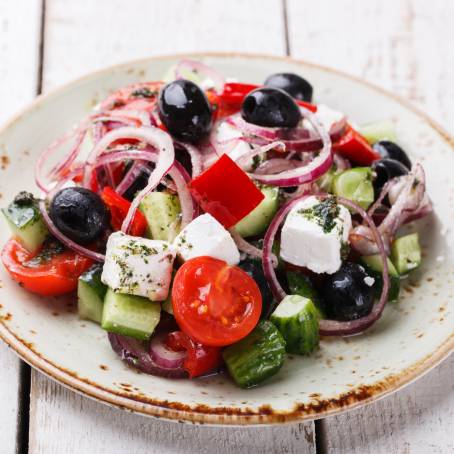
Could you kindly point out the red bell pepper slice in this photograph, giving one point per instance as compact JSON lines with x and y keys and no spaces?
{"x":353,"y":146}
{"x":200,"y":359}
{"x":225,"y":191}
{"x":119,"y":208}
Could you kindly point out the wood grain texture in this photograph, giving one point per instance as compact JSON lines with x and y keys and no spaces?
{"x":404,"y":46}
{"x":83,"y":36}
{"x":19,"y":58}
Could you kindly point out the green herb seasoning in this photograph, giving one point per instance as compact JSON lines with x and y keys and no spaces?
{"x":144,"y":92}
{"x":324,"y":214}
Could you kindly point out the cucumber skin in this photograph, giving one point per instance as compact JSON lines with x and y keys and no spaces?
{"x":260,"y":217}
{"x":300,"y":284}
{"x":27,"y":224}
{"x":300,"y":331}
{"x":373,"y":266}
{"x":90,"y":293}
{"x":256,"y":357}
{"x":137,"y":306}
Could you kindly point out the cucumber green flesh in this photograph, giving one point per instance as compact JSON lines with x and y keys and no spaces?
{"x":299,"y":284}
{"x":256,"y":357}
{"x":374,"y":263}
{"x":89,"y":303}
{"x":356,"y":185}
{"x":260,"y":217}
{"x":162,"y":212}
{"x":296,"y":318}
{"x":325,"y":182}
{"x":26,"y":223}
{"x":92,"y":277}
{"x":130,"y":315}
{"x":406,"y":253}
{"x":380,"y":130}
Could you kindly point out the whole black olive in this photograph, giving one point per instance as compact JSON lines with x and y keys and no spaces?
{"x":294,"y":85}
{"x":385,"y":170}
{"x":348,"y":294}
{"x":185,"y":111}
{"x":391,"y":150}
{"x":80,"y":214}
{"x":270,"y":107}
{"x":139,"y":183}
{"x":254,"y":269}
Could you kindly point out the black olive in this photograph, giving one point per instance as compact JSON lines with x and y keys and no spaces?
{"x":80,"y":214}
{"x":385,"y":170}
{"x":139,"y":183}
{"x":254,"y":269}
{"x":185,"y":111}
{"x":270,"y":107}
{"x":391,"y":150}
{"x":347,"y":294}
{"x":294,"y":85}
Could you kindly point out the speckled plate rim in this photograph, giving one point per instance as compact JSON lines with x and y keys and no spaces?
{"x":202,"y":414}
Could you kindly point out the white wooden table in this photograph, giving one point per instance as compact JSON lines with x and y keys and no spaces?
{"x":405,"y":46}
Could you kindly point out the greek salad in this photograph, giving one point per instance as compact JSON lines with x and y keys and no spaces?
{"x":214,"y":225}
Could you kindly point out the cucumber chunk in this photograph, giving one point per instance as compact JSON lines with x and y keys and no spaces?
{"x":296,"y":318}
{"x":167,"y":305}
{"x":374,"y":268}
{"x":260,"y":217}
{"x":325,"y":182}
{"x":256,"y":357}
{"x":300,"y":284}
{"x":90,"y":294}
{"x":25,"y":221}
{"x":130,"y":315}
{"x":162,"y":211}
{"x":380,"y":130}
{"x":406,"y":253}
{"x":356,"y":185}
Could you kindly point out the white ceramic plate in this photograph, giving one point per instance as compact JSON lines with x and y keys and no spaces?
{"x":412,"y":336}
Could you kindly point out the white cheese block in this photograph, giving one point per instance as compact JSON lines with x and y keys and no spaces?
{"x":138,"y":266}
{"x":305,"y":242}
{"x":206,"y":236}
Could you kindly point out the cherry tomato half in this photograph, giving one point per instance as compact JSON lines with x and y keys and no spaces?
{"x":51,"y":272}
{"x":214,"y":303}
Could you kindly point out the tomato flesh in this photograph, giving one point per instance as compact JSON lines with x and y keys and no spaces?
{"x":119,"y":208}
{"x":214,"y":303}
{"x":200,"y":359}
{"x":226,"y":192}
{"x":46,"y":273}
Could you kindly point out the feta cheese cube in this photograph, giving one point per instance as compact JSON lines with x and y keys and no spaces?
{"x":206,"y":236}
{"x":313,"y":234}
{"x":138,"y":266}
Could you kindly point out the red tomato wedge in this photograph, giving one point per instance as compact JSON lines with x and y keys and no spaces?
{"x":51,"y":272}
{"x":214,"y":303}
{"x":226,"y":192}
{"x":353,"y":146}
{"x":119,"y":207}
{"x":200,"y":359}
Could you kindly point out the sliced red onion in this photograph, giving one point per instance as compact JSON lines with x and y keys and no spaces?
{"x":196,"y":157}
{"x":328,"y":327}
{"x":135,"y":353}
{"x":163,"y":356}
{"x":250,"y":249}
{"x":200,"y":69}
{"x":295,"y":139}
{"x":65,"y":240}
{"x":310,"y":172}
{"x":277,"y":165}
{"x":176,"y":172}
{"x":340,"y":162}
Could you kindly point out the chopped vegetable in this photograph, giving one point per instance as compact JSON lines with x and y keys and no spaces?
{"x":90,"y":294}
{"x":380,"y":130}
{"x":355,"y":184}
{"x":296,"y":318}
{"x":257,"y":357}
{"x":406,"y":253}
{"x":226,"y":192}
{"x":300,"y":284}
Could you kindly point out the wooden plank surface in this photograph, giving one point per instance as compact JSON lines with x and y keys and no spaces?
{"x":406,"y":47}
{"x":80,"y":38}
{"x":19,"y":63}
